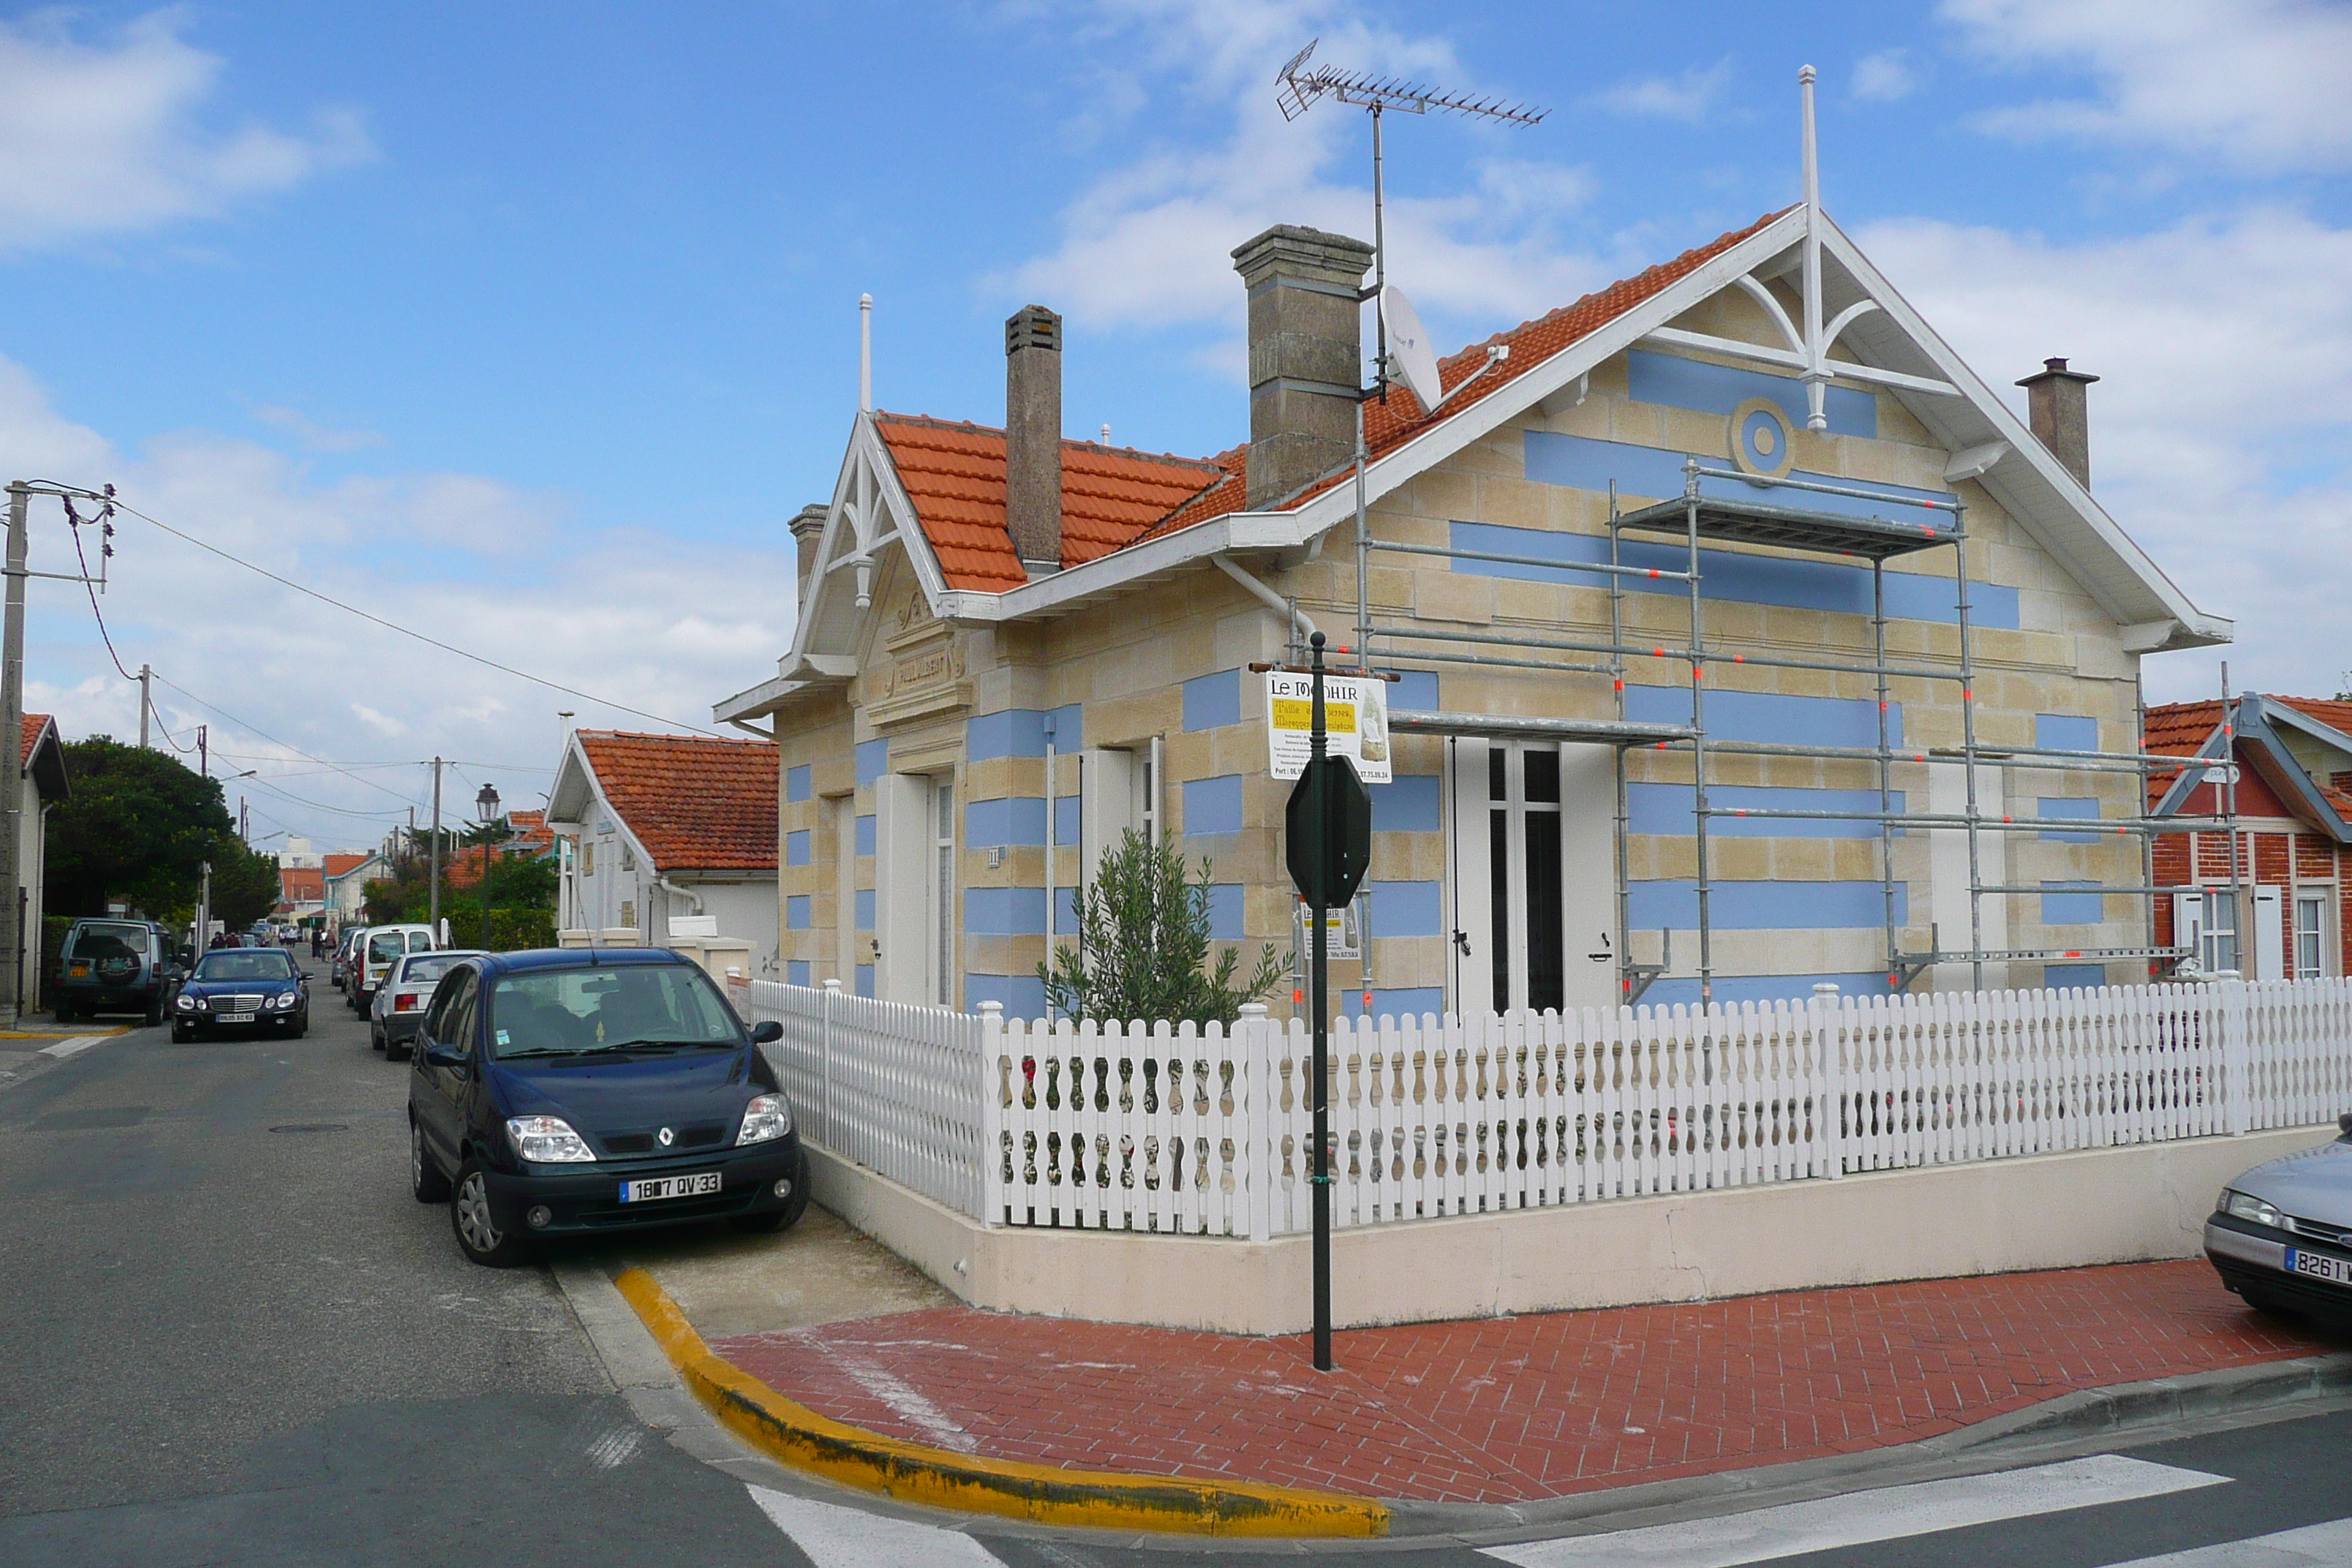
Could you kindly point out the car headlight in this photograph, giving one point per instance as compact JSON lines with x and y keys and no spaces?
{"x":767,"y":1116}
{"x":186,"y":1003}
{"x":2245,"y":1205}
{"x":547,"y":1140}
{"x":283,"y":999}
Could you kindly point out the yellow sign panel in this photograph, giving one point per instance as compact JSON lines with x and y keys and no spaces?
{"x":1298,"y":713}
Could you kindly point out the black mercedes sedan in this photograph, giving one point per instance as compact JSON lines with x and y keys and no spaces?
{"x":583,"y":1090}
{"x":241,"y":988}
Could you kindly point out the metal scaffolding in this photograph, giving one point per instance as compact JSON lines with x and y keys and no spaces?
{"x":1733,"y":506}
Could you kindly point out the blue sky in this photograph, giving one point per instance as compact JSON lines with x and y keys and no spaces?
{"x":528,"y":325}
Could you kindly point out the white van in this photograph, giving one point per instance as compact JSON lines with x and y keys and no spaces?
{"x":379,"y":947}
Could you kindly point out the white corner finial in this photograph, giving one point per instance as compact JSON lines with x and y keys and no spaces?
{"x":1806,"y":74}
{"x":866,"y":354}
{"x":1816,"y":372}
{"x":1106,"y":435}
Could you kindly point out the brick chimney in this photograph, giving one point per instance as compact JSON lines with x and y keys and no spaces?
{"x":1305,"y":355}
{"x":806,"y":527}
{"x":1032,"y":437}
{"x":2059,"y":409}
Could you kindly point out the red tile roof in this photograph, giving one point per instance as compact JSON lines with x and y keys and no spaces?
{"x":302,"y":884}
{"x":1114,"y":498}
{"x":955,"y":476}
{"x":2177,"y":729}
{"x":343,"y":865}
{"x":33,"y":724}
{"x":696,"y":805}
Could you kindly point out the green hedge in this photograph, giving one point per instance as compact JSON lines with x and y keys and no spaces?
{"x":511,"y":930}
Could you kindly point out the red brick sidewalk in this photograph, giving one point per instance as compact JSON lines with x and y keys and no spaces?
{"x":1506,"y":1409}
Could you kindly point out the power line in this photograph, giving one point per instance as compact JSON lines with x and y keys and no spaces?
{"x":105,"y":549}
{"x":407,"y":632}
{"x":273,"y":740}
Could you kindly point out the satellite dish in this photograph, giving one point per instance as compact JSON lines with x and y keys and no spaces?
{"x":1409,"y":352}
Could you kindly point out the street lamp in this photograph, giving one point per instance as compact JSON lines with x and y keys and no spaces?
{"x":486,"y":809}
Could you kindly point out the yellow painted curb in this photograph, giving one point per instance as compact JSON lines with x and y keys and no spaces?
{"x":1043,"y":1494}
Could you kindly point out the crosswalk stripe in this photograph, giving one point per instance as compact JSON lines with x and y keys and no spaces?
{"x":1854,"y":1519}
{"x":2329,"y":1544}
{"x":65,"y":1048}
{"x":831,"y":1536}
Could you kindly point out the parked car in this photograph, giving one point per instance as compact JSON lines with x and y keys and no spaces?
{"x":371,"y":958}
{"x":2281,"y":1233}
{"x":339,"y":968}
{"x":114,"y":966}
{"x":570,"y":1092}
{"x":238,"y":988}
{"x":400,"y":1001}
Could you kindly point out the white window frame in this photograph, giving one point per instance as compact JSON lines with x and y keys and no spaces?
{"x":940,"y":817}
{"x":2318,"y":900}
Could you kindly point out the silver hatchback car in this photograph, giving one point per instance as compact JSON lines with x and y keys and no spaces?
{"x":2281,"y":1235}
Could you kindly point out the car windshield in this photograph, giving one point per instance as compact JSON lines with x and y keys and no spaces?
{"x":98,"y":943}
{"x":566,"y":1012}
{"x":433,"y":968}
{"x":245,"y":964}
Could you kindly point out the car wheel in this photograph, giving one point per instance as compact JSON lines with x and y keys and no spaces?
{"x":154,"y":1012}
{"x":180,"y":1035}
{"x":392,"y":1053}
{"x":376,"y":1038}
{"x":2264,"y":1301}
{"x":425,"y":1178}
{"x":65,"y":1014}
{"x":301,"y":1026}
{"x":469,"y":1216}
{"x":777,"y":1220}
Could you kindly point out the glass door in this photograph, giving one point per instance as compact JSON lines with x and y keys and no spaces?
{"x":1523,"y":836}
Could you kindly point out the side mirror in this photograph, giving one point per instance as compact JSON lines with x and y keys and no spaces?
{"x":768,"y":1033}
{"x":438,"y":1055}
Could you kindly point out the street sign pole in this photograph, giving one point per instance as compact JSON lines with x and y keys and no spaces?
{"x":1319,"y":1077}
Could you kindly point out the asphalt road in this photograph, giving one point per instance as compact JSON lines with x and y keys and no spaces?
{"x":231,"y":1335}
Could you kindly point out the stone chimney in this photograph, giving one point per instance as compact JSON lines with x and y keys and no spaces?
{"x":806,"y":527}
{"x":2059,"y":409}
{"x":1032,"y":437}
{"x":1305,"y":355}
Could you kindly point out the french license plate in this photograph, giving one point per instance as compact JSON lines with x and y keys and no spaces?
{"x":233,"y":1018}
{"x":650,"y":1189}
{"x":2318,"y":1265}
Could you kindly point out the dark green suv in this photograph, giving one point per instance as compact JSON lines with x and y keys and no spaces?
{"x":114,"y":966}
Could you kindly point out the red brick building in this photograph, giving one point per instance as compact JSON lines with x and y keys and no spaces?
{"x":2292,"y":807}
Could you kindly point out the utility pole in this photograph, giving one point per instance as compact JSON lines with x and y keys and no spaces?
{"x":204,"y":749}
{"x":146,"y":702}
{"x":205,"y":911}
{"x":12,"y":727}
{"x":434,"y":916}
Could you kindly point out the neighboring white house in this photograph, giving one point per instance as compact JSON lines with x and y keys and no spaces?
{"x":654,"y":830}
{"x":347,"y":879}
{"x":43,"y":784}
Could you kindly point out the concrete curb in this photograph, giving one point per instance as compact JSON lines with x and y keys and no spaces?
{"x":1039,"y":1494}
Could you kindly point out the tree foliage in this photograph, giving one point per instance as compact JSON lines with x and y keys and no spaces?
{"x":1143,"y":946}
{"x":137,"y":828}
{"x":522,"y":890}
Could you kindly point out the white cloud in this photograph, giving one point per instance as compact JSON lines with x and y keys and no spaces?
{"x":1688,"y":96}
{"x":1885,"y":76}
{"x":2219,"y":427}
{"x":105,"y":138}
{"x":656,"y":623}
{"x":2262,"y":85}
{"x":318,"y":437}
{"x":1147,"y":245}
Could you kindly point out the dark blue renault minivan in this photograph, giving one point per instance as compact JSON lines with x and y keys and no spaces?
{"x":582,"y":1090}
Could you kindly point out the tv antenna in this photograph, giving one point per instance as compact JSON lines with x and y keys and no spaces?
{"x":1298,"y":90}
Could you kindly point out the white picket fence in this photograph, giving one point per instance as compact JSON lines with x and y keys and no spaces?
{"x":1204,"y":1131}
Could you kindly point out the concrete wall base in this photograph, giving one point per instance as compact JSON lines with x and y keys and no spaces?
{"x":2054,"y":1211}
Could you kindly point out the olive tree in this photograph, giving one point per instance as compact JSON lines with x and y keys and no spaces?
{"x":1143,"y":946}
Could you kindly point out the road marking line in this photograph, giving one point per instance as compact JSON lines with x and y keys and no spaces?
{"x":74,"y":1047}
{"x":908,"y":1402}
{"x":2314,"y":1543}
{"x":1854,"y":1519}
{"x":835,"y":1537}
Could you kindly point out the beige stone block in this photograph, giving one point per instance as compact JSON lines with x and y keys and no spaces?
{"x":1740,"y":859}
{"x":1804,"y":859}
{"x":1445,"y":596}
